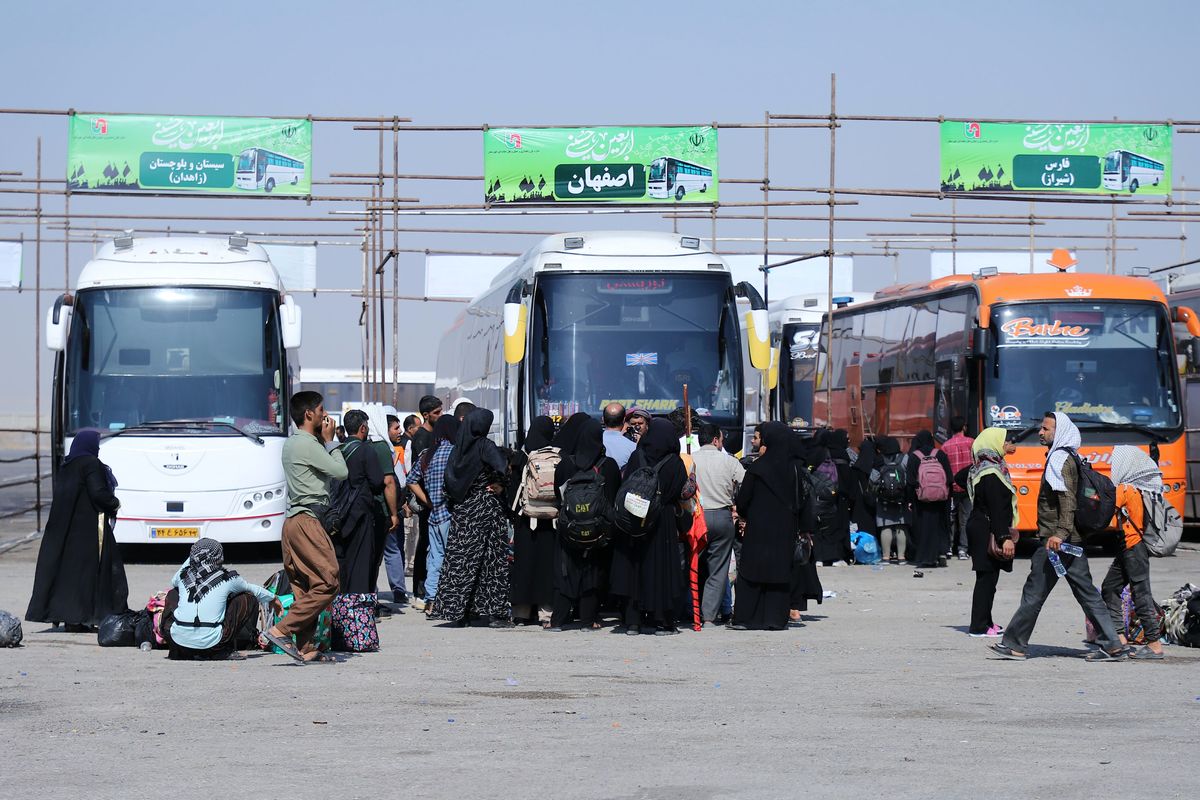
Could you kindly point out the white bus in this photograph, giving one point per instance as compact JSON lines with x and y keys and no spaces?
{"x":584,"y":319}
{"x":670,"y":176}
{"x":799,"y":353}
{"x":1125,"y":170}
{"x":262,"y":169}
{"x":177,"y":350}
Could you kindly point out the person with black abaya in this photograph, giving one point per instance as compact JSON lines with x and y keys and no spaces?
{"x":647,"y":571}
{"x":353,"y":544}
{"x":474,"y":575}
{"x":930,"y":520}
{"x":804,"y":583}
{"x":80,"y":578}
{"x":579,"y":572}
{"x":768,"y":502}
{"x":862,"y":499}
{"x":531,"y":574}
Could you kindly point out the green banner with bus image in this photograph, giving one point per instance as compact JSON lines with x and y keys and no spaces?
{"x":593,"y":165}
{"x":231,"y":155}
{"x":1055,"y":157}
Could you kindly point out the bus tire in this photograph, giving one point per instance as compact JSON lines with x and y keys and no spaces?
{"x":269,"y":185}
{"x":679,"y":193}
{"x":1133,"y":186}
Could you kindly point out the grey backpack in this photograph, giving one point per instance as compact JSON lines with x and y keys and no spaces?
{"x":10,"y":630}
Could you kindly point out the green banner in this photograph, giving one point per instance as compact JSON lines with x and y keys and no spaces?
{"x":204,"y":154}
{"x":593,"y":165}
{"x":1075,"y":157}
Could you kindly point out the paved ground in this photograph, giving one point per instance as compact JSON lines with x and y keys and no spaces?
{"x":881,"y":694}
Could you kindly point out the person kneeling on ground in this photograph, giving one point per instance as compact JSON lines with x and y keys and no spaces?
{"x":209,"y":605}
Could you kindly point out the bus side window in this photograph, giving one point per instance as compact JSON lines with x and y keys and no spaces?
{"x":919,"y":357}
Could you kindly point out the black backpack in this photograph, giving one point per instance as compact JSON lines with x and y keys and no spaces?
{"x":639,"y":501}
{"x":891,"y":484}
{"x":342,"y":495}
{"x":586,"y":517}
{"x":1095,"y":498}
{"x":824,"y":499}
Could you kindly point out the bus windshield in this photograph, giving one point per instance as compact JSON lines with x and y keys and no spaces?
{"x":143,"y":355}
{"x":801,"y":351}
{"x":1112,"y":161}
{"x":1107,"y":363}
{"x":246,"y":161}
{"x":636,"y":338}
{"x":658,"y":169}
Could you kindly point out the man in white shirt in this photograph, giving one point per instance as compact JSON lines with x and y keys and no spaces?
{"x":617,"y":446}
{"x":718,"y":475}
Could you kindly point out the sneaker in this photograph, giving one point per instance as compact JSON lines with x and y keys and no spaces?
{"x":418,"y":603}
{"x":995,"y":631}
{"x":838,"y":563}
{"x":962,"y":555}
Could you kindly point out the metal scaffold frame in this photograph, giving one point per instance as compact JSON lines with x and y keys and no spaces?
{"x":363,"y":209}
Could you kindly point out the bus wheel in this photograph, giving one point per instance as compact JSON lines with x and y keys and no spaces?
{"x":1133,"y":186}
{"x":679,"y":193}
{"x":269,"y":185}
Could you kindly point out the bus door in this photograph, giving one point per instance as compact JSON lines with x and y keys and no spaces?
{"x":882,"y":420}
{"x":854,"y":402}
{"x":260,"y":164}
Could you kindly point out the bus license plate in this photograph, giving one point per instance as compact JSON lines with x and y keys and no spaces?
{"x":174,"y":533}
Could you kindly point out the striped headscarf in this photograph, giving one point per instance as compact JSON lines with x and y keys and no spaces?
{"x":1131,"y":465}
{"x":204,"y":569}
{"x":988,"y":449}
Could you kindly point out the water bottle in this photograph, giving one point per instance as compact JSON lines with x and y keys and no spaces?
{"x":145,"y":647}
{"x":1059,"y":568}
{"x":1071,"y":549}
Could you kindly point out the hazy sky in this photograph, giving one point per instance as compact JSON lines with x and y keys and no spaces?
{"x":555,"y":62}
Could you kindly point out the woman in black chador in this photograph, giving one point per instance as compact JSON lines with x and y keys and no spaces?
{"x":578,"y":572}
{"x":532,"y":570}
{"x":767,"y":501}
{"x":80,"y":579}
{"x":930,"y":520}
{"x":647,"y":572}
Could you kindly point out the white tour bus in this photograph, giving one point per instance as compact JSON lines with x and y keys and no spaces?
{"x":262,"y":169}
{"x":583,"y":319}
{"x":798,"y":354}
{"x":671,"y":176}
{"x":1125,"y":170}
{"x":177,"y":350}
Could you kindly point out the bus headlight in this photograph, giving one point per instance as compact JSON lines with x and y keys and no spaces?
{"x":258,"y":496}
{"x":1175,"y":487}
{"x":1023,"y":490}
{"x":249,"y":504}
{"x":268,"y":494}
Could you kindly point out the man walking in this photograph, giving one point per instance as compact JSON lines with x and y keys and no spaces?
{"x":1056,"y":525}
{"x":430,"y":408}
{"x":958,"y":449}
{"x":308,"y":556}
{"x":617,"y":446}
{"x":718,"y":475}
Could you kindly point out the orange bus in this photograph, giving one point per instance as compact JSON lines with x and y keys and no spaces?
{"x":1002,"y":349}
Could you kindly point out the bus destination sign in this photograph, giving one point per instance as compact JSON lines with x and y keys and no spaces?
{"x":231,"y":155}
{"x":596,"y":165}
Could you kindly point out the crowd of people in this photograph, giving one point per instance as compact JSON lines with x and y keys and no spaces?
{"x":646,"y":522}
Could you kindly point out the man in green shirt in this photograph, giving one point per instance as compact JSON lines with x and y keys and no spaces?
{"x":308,"y":556}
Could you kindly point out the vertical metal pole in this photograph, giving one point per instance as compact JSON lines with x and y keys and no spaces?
{"x":366,"y":307}
{"x":37,"y":343}
{"x":766,"y":195}
{"x":953,"y":237}
{"x":1112,"y":267}
{"x":379,"y":282}
{"x":66,"y":237}
{"x":396,"y":262}
{"x":1032,"y":227}
{"x":829,"y":298}
{"x":713,"y":215}
{"x":369,"y":295}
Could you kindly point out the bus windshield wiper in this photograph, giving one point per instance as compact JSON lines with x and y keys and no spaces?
{"x":169,"y":424}
{"x":1124,"y":426}
{"x":1023,"y":433}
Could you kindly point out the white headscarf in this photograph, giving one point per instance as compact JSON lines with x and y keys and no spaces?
{"x":1131,"y":465}
{"x":1066,"y":435}
{"x":377,"y":427}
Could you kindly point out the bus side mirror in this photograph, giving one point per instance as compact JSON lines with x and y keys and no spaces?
{"x":58,"y":323}
{"x":981,"y":342}
{"x":515,"y":317}
{"x":758,"y":333}
{"x":290,"y":323}
{"x":773,"y":371}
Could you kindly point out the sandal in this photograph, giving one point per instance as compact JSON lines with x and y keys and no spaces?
{"x":1146,"y":654}
{"x":1004,"y":651}
{"x":1120,"y":654}
{"x":320,"y":658}
{"x":285,"y":644}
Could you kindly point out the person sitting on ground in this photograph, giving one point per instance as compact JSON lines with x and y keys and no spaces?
{"x":209,"y":605}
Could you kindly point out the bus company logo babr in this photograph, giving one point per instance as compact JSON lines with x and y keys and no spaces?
{"x":1025,"y":327}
